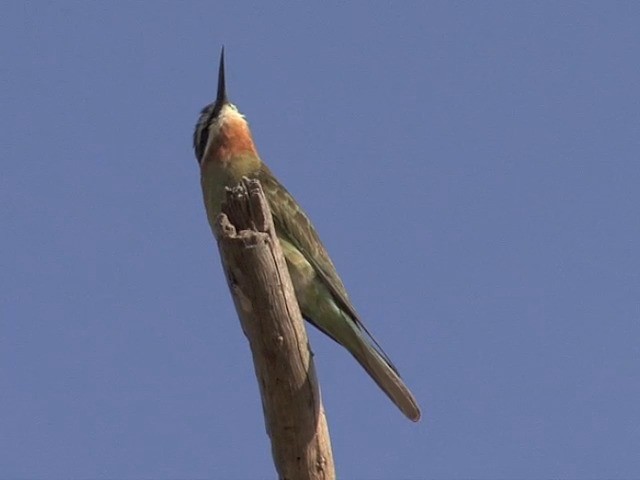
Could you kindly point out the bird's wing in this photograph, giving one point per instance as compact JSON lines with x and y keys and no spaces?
{"x":292,"y":223}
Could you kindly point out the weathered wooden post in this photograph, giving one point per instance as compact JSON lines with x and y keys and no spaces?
{"x":259,"y":282}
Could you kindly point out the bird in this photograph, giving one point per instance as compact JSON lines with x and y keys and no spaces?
{"x":226,"y":152}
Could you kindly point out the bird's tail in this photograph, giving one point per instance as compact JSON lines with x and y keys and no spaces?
{"x":383,"y":373}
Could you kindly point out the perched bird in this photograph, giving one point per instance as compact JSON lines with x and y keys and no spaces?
{"x":225,"y":152}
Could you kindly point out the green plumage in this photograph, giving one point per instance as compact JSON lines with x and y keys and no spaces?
{"x":320,"y":292}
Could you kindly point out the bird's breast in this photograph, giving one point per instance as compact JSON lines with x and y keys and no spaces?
{"x":216,"y":176}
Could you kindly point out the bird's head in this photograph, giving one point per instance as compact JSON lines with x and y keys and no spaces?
{"x":221,"y":128}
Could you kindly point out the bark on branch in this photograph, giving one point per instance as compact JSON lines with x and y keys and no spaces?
{"x":259,"y":282}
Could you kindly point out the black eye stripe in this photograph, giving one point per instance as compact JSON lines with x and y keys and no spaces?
{"x":201,"y":133}
{"x":204,"y":136}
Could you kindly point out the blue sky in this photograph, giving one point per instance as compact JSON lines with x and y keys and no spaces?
{"x":473,"y":168}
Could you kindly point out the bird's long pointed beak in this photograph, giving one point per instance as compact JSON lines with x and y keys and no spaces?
{"x":222,"y":89}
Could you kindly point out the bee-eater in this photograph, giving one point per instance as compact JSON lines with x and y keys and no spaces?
{"x":225,"y":152}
